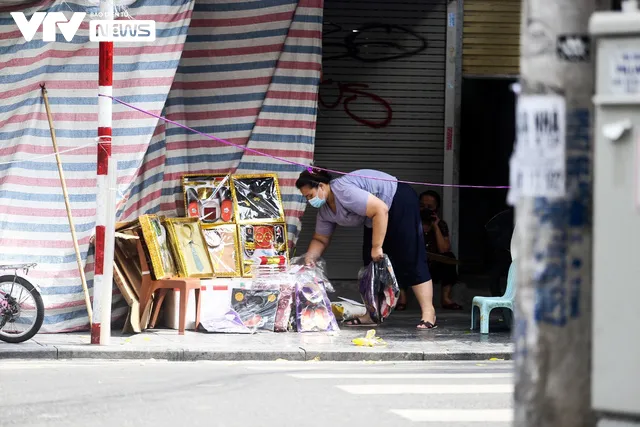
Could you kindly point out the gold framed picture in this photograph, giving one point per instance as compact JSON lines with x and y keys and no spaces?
{"x":264,"y":243}
{"x":257,"y":198}
{"x":156,"y":239}
{"x":208,"y":197}
{"x":222,"y":243}
{"x":189,"y":248}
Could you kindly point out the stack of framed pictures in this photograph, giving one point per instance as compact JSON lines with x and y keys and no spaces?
{"x":242,"y":219}
{"x":209,"y":198}
{"x":175,"y":247}
{"x":172,"y":247}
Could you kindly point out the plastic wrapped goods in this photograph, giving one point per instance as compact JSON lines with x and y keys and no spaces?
{"x":257,"y":198}
{"x":222,"y":243}
{"x":262,"y":244}
{"x":316,"y":272}
{"x":276,"y":276}
{"x":379,"y":289}
{"x":256,"y":307}
{"x":208,"y":197}
{"x":230,"y":322}
{"x":313,"y":308}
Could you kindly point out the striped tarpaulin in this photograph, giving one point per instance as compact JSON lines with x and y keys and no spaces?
{"x":243,"y":71}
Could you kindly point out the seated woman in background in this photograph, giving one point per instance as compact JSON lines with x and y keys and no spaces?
{"x":436,"y":238}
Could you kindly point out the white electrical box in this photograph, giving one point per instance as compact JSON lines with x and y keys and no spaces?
{"x":616,"y":280}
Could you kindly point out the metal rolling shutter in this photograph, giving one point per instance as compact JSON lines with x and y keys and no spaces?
{"x":411,"y":146}
{"x":491,"y":38}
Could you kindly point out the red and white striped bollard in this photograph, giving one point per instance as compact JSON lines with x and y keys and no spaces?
{"x":105,"y":198}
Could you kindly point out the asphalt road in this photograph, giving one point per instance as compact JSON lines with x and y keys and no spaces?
{"x":254,"y":394}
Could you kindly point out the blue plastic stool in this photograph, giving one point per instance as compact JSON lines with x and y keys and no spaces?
{"x":486,"y":304}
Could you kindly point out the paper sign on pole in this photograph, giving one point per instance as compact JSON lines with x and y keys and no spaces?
{"x":537,"y":166}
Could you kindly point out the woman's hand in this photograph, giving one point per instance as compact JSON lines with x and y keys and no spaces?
{"x":376,"y":253}
{"x":379,"y":214}
{"x":310,"y":260}
{"x":443,"y":244}
{"x":316,"y":248}
{"x":436,"y":219}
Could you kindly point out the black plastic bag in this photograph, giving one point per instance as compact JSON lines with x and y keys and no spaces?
{"x":379,"y":289}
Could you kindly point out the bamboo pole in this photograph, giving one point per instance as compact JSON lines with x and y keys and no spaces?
{"x":87,"y":300}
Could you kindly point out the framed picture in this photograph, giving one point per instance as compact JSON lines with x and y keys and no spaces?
{"x":222,"y":243}
{"x":189,"y":248}
{"x":257,"y":198}
{"x":263,"y":244}
{"x":156,"y":240}
{"x":208,"y":197}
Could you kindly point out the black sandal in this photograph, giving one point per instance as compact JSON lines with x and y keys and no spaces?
{"x":424,"y":325}
{"x":357,"y":323}
{"x":401,"y":307}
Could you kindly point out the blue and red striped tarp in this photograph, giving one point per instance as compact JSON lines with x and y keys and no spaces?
{"x":244,"y":71}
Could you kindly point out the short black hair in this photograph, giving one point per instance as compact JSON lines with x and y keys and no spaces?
{"x":313,"y":179}
{"x":433,"y":194}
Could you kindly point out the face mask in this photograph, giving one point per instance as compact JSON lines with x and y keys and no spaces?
{"x":317,"y":202}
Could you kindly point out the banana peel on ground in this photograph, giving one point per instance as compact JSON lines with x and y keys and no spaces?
{"x":369,"y":340}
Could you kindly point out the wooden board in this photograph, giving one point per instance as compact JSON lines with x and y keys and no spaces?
{"x":126,"y":256}
{"x":132,"y":323}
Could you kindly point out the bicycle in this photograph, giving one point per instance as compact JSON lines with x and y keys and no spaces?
{"x":19,"y":296}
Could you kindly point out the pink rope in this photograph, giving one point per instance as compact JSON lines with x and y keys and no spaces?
{"x":307,"y":167}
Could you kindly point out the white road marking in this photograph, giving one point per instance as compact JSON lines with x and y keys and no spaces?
{"x":456,"y":415}
{"x":51,"y":416}
{"x":409,"y":376}
{"x":424,"y":367}
{"x":426,"y":389}
{"x":284,"y":368}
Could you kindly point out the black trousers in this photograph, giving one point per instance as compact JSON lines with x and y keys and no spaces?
{"x":403,"y":243}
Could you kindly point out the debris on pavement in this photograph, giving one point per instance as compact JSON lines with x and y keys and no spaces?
{"x":369,"y":340}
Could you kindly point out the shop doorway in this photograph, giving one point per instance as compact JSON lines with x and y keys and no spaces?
{"x":487,"y":139}
{"x":381,"y":103}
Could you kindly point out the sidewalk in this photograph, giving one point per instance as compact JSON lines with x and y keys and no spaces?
{"x":452,"y":340}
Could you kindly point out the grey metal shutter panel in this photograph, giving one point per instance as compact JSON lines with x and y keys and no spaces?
{"x":411,"y":146}
{"x":491,"y":38}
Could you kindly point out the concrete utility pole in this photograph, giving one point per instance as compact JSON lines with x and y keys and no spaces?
{"x":107,"y":175}
{"x":551,"y":178}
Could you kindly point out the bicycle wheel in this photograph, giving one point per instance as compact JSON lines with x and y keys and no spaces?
{"x":19,"y":298}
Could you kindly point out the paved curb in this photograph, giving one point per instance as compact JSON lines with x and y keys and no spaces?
{"x":468,"y":356}
{"x":110,"y":353}
{"x":173,"y":354}
{"x":221,"y":355}
{"x":29,"y":353}
{"x":364,"y":354}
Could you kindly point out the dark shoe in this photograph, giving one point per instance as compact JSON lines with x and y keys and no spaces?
{"x":426,"y":325}
{"x":452,"y":306}
{"x":357,"y":322}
